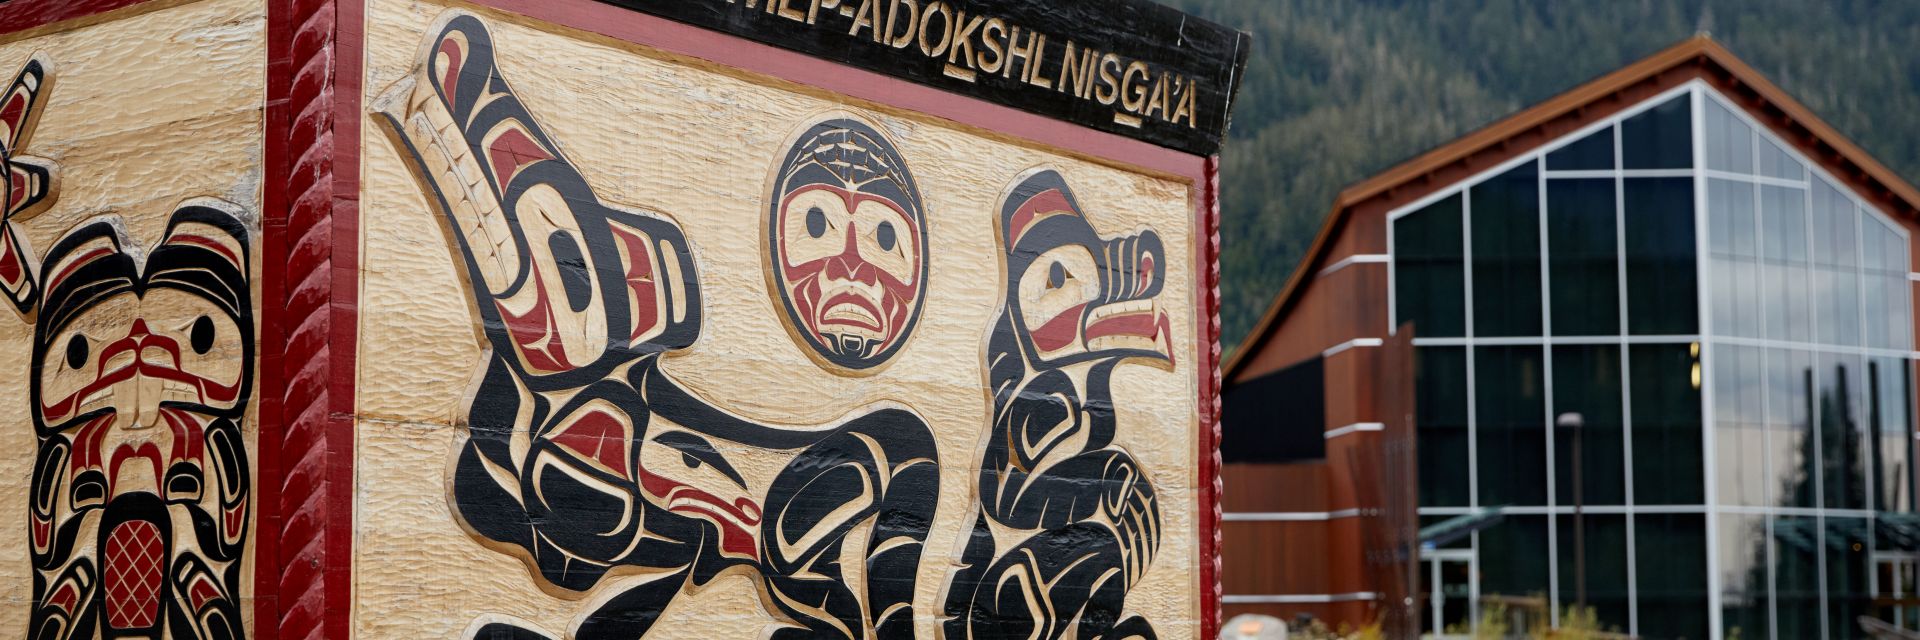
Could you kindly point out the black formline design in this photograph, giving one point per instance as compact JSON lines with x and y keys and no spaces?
{"x":1050,"y":470}
{"x":140,"y":500}
{"x":189,"y":339}
{"x":582,"y":456}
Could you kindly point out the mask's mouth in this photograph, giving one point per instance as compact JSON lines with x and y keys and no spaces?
{"x":851,"y":313}
{"x":134,"y":540}
{"x":1134,"y":325}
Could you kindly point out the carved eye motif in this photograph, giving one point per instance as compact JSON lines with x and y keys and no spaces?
{"x":77,"y":352}
{"x":201,"y":336}
{"x":885,"y":235}
{"x":1056,"y":276}
{"x":816,"y":222}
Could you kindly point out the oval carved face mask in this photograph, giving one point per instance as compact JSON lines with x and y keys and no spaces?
{"x":847,"y":241}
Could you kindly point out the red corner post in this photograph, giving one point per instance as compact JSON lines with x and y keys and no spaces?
{"x":310,"y":227}
{"x":1210,"y":484}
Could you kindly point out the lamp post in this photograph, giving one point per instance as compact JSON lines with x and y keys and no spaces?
{"x":1576,"y":423}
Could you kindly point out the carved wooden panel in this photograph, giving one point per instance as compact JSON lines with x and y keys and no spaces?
{"x":129,"y":259}
{"x":654,"y":346}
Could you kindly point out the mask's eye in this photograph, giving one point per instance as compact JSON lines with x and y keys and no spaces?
{"x":816,"y":222}
{"x":77,"y":352}
{"x":1056,"y":276}
{"x":201,"y":336}
{"x":885,"y":235}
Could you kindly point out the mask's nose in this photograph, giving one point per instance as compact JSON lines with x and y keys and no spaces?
{"x":849,"y":265}
{"x":139,"y":395}
{"x":146,"y":401}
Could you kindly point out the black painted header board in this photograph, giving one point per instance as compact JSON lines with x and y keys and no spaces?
{"x":1130,"y":67}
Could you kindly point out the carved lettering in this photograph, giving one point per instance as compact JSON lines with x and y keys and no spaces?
{"x":1109,"y":90}
{"x":946,"y":31}
{"x":898,"y":38}
{"x":968,"y":45}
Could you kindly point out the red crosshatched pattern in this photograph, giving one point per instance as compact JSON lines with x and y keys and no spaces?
{"x":132,"y":575}
{"x":310,"y":266}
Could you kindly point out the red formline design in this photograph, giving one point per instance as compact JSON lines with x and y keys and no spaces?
{"x":348,"y":116}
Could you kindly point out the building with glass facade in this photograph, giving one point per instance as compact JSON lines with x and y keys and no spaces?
{"x":1647,"y":346}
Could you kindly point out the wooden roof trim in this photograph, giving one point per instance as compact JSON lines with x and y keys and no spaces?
{"x":1820,"y":141}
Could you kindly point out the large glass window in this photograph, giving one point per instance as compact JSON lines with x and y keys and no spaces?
{"x":1785,"y":266}
{"x":1740,"y":426}
{"x":1591,"y":153}
{"x":1506,"y":254}
{"x":1586,"y":380}
{"x":1745,"y":583}
{"x":1429,"y":270}
{"x":1603,"y":537}
{"x":1671,"y":565}
{"x":1890,"y":383}
{"x":1792,"y":457}
{"x":1836,"y":267}
{"x":1519,"y":567}
{"x":1661,"y":271}
{"x":1583,"y":256}
{"x":1660,"y":138}
{"x":1849,"y":593}
{"x":1797,"y":576}
{"x":1571,"y":281}
{"x":1666,"y":424}
{"x":1511,"y":432}
{"x":1440,"y":387}
{"x":1809,"y":337}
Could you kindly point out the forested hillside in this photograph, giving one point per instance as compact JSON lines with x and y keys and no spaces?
{"x":1340,"y":89}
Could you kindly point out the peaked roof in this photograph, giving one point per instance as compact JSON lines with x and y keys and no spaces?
{"x":1698,"y":57}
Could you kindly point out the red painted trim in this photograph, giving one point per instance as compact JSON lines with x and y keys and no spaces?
{"x":272,"y":331}
{"x":348,"y":116}
{"x":1210,"y":482}
{"x":21,"y":15}
{"x":308,"y":332}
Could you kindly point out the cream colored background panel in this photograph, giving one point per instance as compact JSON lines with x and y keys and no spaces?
{"x":698,"y":143}
{"x":144,"y":113}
